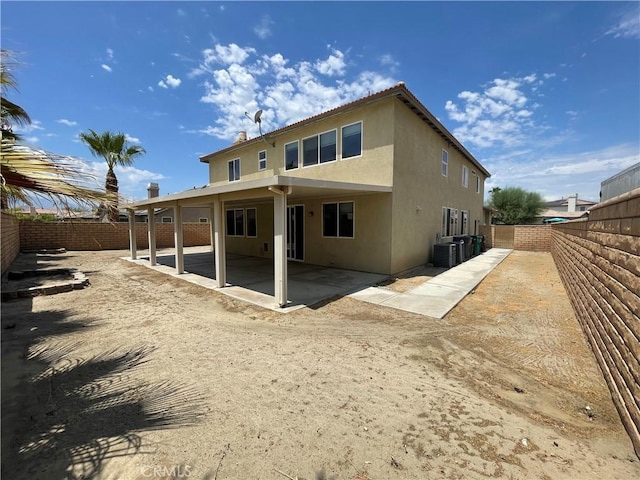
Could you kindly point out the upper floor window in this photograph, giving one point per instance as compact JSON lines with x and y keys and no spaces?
{"x":445,"y":163}
{"x":477,"y":183}
{"x":262,"y":160}
{"x":291,"y":155}
{"x":465,"y":176}
{"x":234,"y":170}
{"x":352,"y":140}
{"x":319,"y":149}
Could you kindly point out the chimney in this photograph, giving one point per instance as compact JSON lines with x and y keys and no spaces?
{"x":153,"y":190}
{"x":573,"y":200}
{"x":242,"y":137}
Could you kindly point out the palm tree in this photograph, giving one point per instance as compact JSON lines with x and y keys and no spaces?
{"x":116,"y":150}
{"x":27,"y":173}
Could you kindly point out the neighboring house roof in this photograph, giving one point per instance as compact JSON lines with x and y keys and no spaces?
{"x":400,"y":91}
{"x":550,"y":213}
{"x":564,"y":202}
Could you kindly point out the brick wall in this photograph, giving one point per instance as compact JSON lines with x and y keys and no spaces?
{"x":532,"y":238}
{"x":599,"y":262}
{"x":10,"y":237}
{"x":36,"y":235}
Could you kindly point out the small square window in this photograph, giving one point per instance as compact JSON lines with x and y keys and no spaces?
{"x":203,"y":220}
{"x":262,"y":160}
{"x":167,"y":220}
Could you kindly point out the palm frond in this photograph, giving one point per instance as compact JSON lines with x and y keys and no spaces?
{"x":29,"y":174}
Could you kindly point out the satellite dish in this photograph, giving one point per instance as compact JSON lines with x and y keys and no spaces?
{"x":257,"y":118}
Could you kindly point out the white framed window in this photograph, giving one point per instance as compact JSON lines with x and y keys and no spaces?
{"x":477,"y":183}
{"x":465,"y":176}
{"x":319,"y":149}
{"x":235,"y":222}
{"x":338,"y":219}
{"x":291,"y":155}
{"x":234,"y":170}
{"x":445,"y":163}
{"x":464,"y":230}
{"x":203,"y":220}
{"x":167,"y":220}
{"x":252,"y":222}
{"x":449,"y":221}
{"x":262,"y":160}
{"x":352,"y":140}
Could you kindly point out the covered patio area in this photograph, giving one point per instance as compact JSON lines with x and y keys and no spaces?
{"x":265,"y":280}
{"x":250,"y":279}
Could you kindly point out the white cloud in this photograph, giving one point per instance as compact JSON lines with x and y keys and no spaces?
{"x":333,"y":66}
{"x":106,"y":67}
{"x":627,"y":26}
{"x":263,"y":29}
{"x":170,"y":81}
{"x":68,"y":123}
{"x":181,"y":13}
{"x":110,"y":53}
{"x":242,"y":81}
{"x":501,"y":114}
{"x":131,"y":139}
{"x":28,"y":128}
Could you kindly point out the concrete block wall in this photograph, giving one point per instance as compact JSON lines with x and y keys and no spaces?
{"x":532,"y":238}
{"x":599,"y":262}
{"x":36,"y":235}
{"x":10,"y":228}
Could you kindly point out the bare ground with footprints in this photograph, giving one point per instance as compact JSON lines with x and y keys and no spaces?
{"x":144,"y":376}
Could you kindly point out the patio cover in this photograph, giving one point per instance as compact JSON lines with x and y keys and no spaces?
{"x":278,"y":187}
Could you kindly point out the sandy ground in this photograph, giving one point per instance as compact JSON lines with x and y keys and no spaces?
{"x":142,"y":376}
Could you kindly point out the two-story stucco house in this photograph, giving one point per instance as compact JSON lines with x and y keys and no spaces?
{"x":371,"y":185}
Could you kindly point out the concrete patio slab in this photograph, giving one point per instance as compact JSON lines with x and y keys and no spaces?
{"x":250,"y":279}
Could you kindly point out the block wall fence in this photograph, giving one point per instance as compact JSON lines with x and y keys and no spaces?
{"x":532,"y":238}
{"x":599,"y":262}
{"x":36,"y":235}
{"x":10,"y":238}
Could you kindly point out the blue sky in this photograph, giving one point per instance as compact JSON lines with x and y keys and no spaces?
{"x":545,"y":94}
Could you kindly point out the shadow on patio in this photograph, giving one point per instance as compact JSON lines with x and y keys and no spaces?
{"x":251,"y":278}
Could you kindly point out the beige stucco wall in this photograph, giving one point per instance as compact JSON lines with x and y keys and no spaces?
{"x":373,"y":167}
{"x":189,"y":214}
{"x":420,"y":190}
{"x":369,"y":250}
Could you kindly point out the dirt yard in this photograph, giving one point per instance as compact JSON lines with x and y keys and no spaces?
{"x":143,"y":376}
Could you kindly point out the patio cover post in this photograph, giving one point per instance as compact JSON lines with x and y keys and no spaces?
{"x":132,"y":234}
{"x":151,"y":232}
{"x":177,"y":235}
{"x":279,"y":245}
{"x":219,"y":247}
